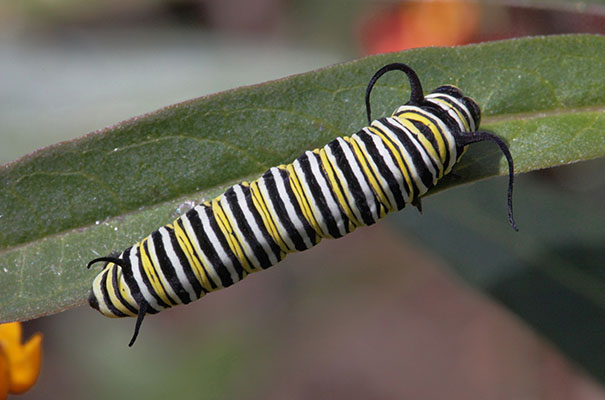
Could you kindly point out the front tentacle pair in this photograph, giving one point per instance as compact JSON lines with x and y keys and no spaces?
{"x":417,"y":99}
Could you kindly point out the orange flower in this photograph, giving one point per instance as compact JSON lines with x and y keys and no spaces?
{"x":420,"y":24}
{"x":19,"y":363}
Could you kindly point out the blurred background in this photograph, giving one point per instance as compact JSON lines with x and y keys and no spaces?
{"x":452,"y":304}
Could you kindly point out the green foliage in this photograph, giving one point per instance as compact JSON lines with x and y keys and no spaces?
{"x":68,"y":203}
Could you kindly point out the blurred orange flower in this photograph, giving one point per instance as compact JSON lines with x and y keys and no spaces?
{"x":421,"y":24}
{"x":19,"y":363}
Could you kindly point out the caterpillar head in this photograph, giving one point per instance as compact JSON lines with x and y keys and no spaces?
{"x":463,"y":109}
{"x":459,"y":106}
{"x":111,"y":296}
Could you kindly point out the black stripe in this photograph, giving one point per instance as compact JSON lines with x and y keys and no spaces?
{"x":277,"y":251}
{"x":209,"y":246}
{"x":383,"y":169}
{"x":428,"y":134}
{"x":280,"y":209}
{"x":248,"y":235}
{"x":395,"y":143}
{"x":221,"y":270}
{"x":351,"y":182}
{"x":363,"y":157}
{"x":424,"y":130}
{"x":187,"y":267}
{"x":155,"y":269}
{"x":318,"y":197}
{"x":457,"y":107}
{"x":434,"y":118}
{"x":132,"y":283}
{"x":448,"y":120}
{"x":146,"y":280}
{"x":168,"y":269}
{"x":313,"y":237}
{"x":416,"y":158}
{"x":339,"y":188}
{"x":105,"y":292}
{"x":116,"y":287}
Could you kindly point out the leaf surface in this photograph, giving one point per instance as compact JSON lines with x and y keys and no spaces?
{"x":68,"y":203}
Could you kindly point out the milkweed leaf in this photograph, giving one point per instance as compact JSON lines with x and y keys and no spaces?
{"x":68,"y":203}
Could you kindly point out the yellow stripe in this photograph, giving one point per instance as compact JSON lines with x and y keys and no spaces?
{"x":115,"y":301}
{"x":302,"y":201}
{"x":185,"y":245}
{"x":237,"y":235}
{"x":125,"y":290}
{"x":434,"y":129}
{"x":334,"y":184}
{"x":268,"y":219}
{"x":225,"y":227}
{"x":397,"y":154}
{"x":370,"y":174}
{"x":449,"y":105}
{"x":306,"y":190}
{"x":423,"y":141}
{"x":150,"y":271}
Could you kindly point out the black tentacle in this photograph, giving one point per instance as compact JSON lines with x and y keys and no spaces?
{"x":142,"y":312}
{"x":110,"y":259}
{"x":483,"y":136}
{"x":416,"y":96}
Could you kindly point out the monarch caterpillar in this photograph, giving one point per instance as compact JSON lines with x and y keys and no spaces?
{"x":325,"y":193}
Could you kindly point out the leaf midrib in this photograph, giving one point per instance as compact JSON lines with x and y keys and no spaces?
{"x":487,"y":120}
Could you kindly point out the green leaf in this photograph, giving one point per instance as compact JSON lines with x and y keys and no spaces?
{"x":68,"y":203}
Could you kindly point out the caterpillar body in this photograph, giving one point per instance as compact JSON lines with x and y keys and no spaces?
{"x":325,"y":193}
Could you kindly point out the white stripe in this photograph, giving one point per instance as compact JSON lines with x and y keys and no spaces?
{"x":291,"y":211}
{"x":406,"y":156}
{"x":155,"y":261}
{"x":206,"y":264}
{"x":384,"y":184}
{"x":361,"y":179}
{"x":125,"y":294}
{"x":217,"y":246}
{"x":327,"y":193}
{"x":258,"y":234}
{"x":426,"y":157}
{"x":445,"y":98}
{"x":391,"y":165}
{"x":97,"y":284}
{"x":343,"y":182}
{"x":283,"y":233}
{"x":450,"y":111}
{"x":460,"y":104}
{"x":447,"y":134}
{"x":136,"y":273}
{"x":311,"y":199}
{"x":238,"y":233}
{"x":176,"y":263}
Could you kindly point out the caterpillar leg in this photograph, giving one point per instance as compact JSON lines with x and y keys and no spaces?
{"x":418,"y":204}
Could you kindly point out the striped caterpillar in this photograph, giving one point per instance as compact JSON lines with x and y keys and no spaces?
{"x":325,"y":193}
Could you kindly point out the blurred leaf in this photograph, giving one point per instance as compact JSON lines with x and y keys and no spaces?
{"x":550,"y":273}
{"x":68,"y":203}
{"x":592,"y":6}
{"x":574,"y":5}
